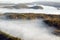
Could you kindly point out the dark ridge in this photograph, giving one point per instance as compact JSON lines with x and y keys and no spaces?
{"x":4,"y":36}
{"x":46,"y":3}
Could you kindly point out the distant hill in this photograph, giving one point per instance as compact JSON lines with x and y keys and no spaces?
{"x":7,"y":4}
{"x":54,"y":4}
{"x":23,"y":5}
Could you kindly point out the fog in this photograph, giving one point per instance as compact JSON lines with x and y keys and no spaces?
{"x":34,"y":29}
{"x":28,"y":1}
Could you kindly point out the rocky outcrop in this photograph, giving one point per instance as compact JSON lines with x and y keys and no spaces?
{"x":25,"y":15}
{"x":57,"y":32}
{"x":55,"y":22}
{"x":4,"y":36}
{"x":30,"y":15}
{"x":20,"y":16}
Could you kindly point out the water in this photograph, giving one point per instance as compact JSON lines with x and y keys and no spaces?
{"x":28,"y":29}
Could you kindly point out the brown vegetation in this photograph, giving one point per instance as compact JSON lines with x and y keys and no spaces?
{"x":52,"y":20}
{"x":4,"y":36}
{"x":55,"y":22}
{"x":25,"y":15}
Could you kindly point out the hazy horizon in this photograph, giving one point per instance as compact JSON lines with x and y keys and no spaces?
{"x":24,"y":1}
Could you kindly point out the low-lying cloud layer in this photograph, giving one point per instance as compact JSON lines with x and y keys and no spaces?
{"x":28,"y":29}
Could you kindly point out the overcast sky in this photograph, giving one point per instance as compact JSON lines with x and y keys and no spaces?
{"x":26,"y":1}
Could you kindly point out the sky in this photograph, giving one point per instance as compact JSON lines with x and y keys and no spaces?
{"x":25,"y":1}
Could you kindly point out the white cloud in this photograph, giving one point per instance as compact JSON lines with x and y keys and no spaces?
{"x":25,"y":1}
{"x":18,"y":1}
